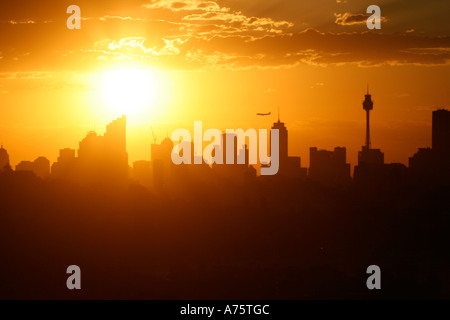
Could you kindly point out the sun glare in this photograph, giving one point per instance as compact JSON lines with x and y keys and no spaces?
{"x":129,"y":91}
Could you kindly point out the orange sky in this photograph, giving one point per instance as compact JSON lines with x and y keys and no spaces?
{"x":222,"y":62}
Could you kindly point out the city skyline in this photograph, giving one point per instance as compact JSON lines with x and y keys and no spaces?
{"x":149,"y":134}
{"x":91,"y":152}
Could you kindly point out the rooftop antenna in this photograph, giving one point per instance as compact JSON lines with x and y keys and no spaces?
{"x":278,"y":114}
{"x":367,"y":88}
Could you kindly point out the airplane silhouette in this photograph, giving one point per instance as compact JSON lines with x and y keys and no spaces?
{"x":263,"y":114}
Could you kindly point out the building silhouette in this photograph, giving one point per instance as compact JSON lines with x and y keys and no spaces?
{"x":65,"y":166}
{"x":441,"y":133}
{"x":329,"y":167}
{"x":4,"y":159}
{"x":283,"y":139}
{"x":234,"y":169}
{"x":162,"y":164}
{"x":142,"y":173}
{"x":288,"y":166}
{"x":163,"y":177}
{"x":40,"y":167}
{"x":102,"y":160}
{"x":25,"y":166}
{"x":422,"y":161}
{"x":432,"y":164}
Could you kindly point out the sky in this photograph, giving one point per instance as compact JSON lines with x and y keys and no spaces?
{"x":222,"y":62}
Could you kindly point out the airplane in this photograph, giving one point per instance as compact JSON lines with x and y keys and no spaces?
{"x":263,"y":114}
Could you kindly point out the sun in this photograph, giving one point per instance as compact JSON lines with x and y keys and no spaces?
{"x":129,"y":91}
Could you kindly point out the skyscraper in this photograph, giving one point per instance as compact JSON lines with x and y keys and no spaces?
{"x":64,"y":167}
{"x":329,"y":167}
{"x":441,"y":133}
{"x":283,"y":139}
{"x":4,"y":159}
{"x":288,"y":166}
{"x":432,"y":163}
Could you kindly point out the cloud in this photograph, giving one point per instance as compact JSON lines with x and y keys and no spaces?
{"x":348,"y":19}
{"x":108,"y":17}
{"x":26,"y":21}
{"x":208,"y":18}
{"x":209,"y":24}
{"x":186,"y":5}
{"x":316,"y":48}
{"x":134,"y":48}
{"x":309,"y":47}
{"x":202,"y":34}
{"x":25,"y":75}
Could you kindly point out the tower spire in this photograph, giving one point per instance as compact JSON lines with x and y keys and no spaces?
{"x":368,"y":106}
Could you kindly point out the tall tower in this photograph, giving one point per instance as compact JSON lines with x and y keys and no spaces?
{"x":368,"y":156}
{"x":368,"y":105}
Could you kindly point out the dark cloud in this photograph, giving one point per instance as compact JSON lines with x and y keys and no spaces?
{"x":178,"y":5}
{"x":348,"y":19}
{"x":187,"y":5}
{"x":316,"y":48}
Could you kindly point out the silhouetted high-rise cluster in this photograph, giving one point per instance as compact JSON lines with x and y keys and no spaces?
{"x":103,"y":160}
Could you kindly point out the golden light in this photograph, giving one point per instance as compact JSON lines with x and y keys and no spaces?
{"x":129,"y":91}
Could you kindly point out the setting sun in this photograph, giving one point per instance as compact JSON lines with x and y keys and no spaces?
{"x":129,"y":91}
